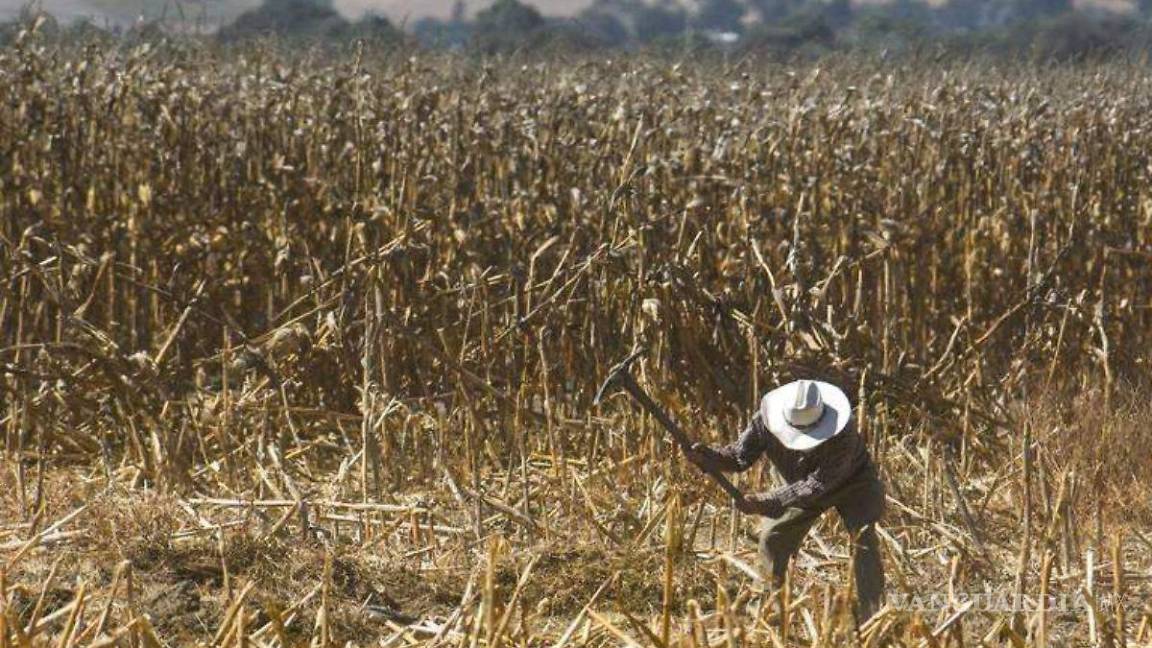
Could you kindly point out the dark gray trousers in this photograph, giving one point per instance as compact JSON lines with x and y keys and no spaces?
{"x":860,"y":503}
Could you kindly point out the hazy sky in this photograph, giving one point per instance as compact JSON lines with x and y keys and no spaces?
{"x":224,"y":11}
{"x":397,"y":10}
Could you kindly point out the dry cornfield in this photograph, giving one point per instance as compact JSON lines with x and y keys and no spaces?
{"x":301,"y":350}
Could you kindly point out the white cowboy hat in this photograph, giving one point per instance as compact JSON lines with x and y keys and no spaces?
{"x":805,"y":413}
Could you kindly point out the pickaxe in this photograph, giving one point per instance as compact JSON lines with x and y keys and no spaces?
{"x":620,"y":376}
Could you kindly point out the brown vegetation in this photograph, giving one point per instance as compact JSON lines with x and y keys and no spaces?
{"x":302,"y":353}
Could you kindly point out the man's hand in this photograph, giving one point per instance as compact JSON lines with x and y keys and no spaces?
{"x":706,"y":457}
{"x":759,"y":505}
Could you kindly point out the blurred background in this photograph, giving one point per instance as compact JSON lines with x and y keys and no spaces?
{"x":1050,"y":29}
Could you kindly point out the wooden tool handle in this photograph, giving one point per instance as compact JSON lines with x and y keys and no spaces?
{"x":678,"y":435}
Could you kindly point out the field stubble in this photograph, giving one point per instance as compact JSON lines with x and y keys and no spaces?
{"x":303,"y":353}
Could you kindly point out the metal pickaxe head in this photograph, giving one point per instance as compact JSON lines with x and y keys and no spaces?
{"x":618,"y":375}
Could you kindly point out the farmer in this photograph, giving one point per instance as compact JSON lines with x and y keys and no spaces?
{"x":807,"y":431}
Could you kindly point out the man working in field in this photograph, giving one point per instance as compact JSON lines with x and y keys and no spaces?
{"x":807,"y":430}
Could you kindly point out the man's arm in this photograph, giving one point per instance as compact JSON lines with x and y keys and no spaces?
{"x":737,"y":456}
{"x":839,"y":459}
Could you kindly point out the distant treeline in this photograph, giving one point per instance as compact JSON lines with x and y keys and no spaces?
{"x":1045,"y":29}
